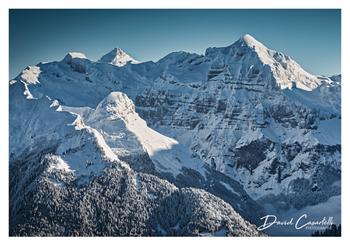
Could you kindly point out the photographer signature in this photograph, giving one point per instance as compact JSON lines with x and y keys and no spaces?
{"x":299,"y":223}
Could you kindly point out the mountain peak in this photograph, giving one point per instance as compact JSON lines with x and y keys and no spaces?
{"x":118,"y":51}
{"x":72,"y":55}
{"x":250,"y":41}
{"x":118,"y":103}
{"x":247,"y":52}
{"x":118,"y":57}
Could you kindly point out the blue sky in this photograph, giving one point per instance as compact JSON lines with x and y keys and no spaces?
{"x":311,"y":37}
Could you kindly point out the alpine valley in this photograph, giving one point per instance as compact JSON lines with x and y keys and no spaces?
{"x":190,"y":145}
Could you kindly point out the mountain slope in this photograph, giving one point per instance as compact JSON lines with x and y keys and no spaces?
{"x":72,"y":184}
{"x":149,"y":151}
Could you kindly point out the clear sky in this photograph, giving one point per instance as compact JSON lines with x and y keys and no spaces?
{"x":311,"y":37}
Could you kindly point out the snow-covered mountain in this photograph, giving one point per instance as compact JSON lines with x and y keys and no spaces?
{"x":118,"y":57}
{"x":258,"y":119}
{"x":244,"y":124}
{"x":66,"y":180}
{"x":134,"y":142}
{"x":249,"y":60}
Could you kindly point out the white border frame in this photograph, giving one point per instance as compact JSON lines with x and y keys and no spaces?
{"x":214,"y":4}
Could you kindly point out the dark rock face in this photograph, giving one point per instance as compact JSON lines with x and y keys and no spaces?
{"x":307,"y":192}
{"x":249,"y":156}
{"x":291,"y":150}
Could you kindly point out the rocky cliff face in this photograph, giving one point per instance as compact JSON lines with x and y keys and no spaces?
{"x":259,"y":119}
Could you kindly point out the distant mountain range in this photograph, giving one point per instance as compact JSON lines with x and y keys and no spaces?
{"x":188,"y":145}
